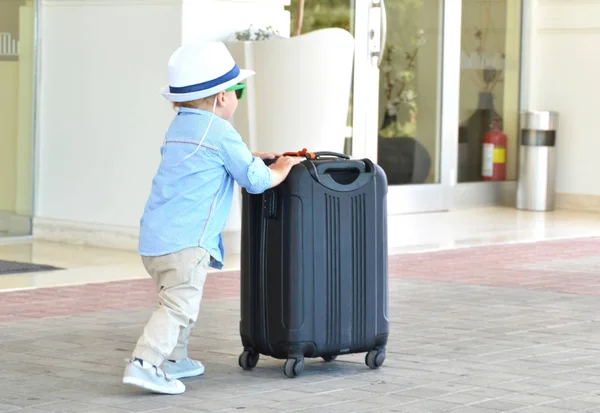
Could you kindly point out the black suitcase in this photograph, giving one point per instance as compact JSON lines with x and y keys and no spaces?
{"x":314,"y":265}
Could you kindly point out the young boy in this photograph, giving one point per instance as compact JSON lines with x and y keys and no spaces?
{"x":180,"y":230}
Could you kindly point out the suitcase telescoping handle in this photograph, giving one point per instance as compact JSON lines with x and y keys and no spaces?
{"x":316,"y":155}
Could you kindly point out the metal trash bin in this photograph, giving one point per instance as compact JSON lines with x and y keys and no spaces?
{"x":537,"y":161}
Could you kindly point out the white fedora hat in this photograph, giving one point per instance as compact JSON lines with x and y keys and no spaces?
{"x":200,"y":70}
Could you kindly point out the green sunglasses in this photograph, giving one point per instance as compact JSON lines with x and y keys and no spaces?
{"x":238,"y":89}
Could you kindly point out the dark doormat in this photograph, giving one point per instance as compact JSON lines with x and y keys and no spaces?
{"x":12,"y":267}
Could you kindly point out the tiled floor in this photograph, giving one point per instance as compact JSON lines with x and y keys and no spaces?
{"x":488,"y":226}
{"x":82,"y":264}
{"x":480,"y":330}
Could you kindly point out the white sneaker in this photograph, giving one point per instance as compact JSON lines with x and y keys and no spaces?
{"x":181,"y":369}
{"x":149,"y":377}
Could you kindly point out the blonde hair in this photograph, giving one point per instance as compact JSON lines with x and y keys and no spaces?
{"x":194,"y":104}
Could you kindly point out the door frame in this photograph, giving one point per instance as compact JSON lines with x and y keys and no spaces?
{"x":369,"y":35}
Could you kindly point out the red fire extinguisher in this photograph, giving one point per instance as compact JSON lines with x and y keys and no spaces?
{"x":494,"y":153}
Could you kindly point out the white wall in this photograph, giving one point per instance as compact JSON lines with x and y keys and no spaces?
{"x":562,"y":64}
{"x":101,"y":118}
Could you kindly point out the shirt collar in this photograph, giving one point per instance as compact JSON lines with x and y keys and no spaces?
{"x":190,"y":110}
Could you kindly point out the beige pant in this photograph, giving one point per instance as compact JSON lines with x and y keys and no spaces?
{"x":179,"y":281}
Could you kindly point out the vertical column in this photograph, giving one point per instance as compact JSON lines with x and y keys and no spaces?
{"x":512,"y":74}
{"x":24,"y":175}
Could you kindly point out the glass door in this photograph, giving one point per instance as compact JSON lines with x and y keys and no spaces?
{"x":406,"y":95}
{"x":489,"y":89}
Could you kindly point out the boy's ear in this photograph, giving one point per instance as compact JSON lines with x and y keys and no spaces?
{"x":221,"y":100}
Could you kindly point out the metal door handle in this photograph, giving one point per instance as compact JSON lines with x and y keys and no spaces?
{"x":383,"y":31}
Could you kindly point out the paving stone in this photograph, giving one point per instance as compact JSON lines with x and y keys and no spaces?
{"x":580,"y":387}
{"x":16,"y":398}
{"x":472,"y":409}
{"x":529,"y":399}
{"x":462,"y":398}
{"x":573,"y":404}
{"x":542,"y":409}
{"x":430,"y":406}
{"x":499,"y":405}
{"x":392,"y":400}
{"x":65,"y":406}
{"x":8,"y":407}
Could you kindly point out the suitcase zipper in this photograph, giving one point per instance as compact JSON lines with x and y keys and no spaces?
{"x":262,"y":302}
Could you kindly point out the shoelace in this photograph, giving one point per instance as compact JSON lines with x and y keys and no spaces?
{"x":161,"y":373}
{"x":158,"y":371}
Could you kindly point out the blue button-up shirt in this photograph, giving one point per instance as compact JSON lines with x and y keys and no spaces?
{"x":190,"y":200}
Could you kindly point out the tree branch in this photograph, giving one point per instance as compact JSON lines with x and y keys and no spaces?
{"x":299,"y":18}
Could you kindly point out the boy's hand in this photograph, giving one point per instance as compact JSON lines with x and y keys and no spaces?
{"x":281,"y":168}
{"x":266,"y":155}
{"x":285,"y":163}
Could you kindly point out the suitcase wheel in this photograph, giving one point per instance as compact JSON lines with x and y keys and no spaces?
{"x":248,"y":359}
{"x":293,"y":367}
{"x":328,"y":359}
{"x":375,"y":358}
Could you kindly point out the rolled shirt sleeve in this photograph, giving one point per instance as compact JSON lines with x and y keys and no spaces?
{"x":248,"y":171}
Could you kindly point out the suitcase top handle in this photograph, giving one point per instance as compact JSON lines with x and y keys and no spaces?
{"x":339,"y":174}
{"x":316,"y":155}
{"x":342,"y":175}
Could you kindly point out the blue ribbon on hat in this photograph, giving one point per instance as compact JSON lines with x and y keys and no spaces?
{"x":232,"y":74}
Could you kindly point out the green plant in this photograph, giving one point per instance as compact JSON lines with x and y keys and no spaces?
{"x":400,"y":90}
{"x":490,"y":75}
{"x":260,"y":34}
{"x":399,"y":70}
{"x":488,"y":44}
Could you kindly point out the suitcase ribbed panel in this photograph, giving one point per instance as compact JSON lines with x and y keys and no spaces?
{"x":333,"y":264}
{"x":359,"y":270}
